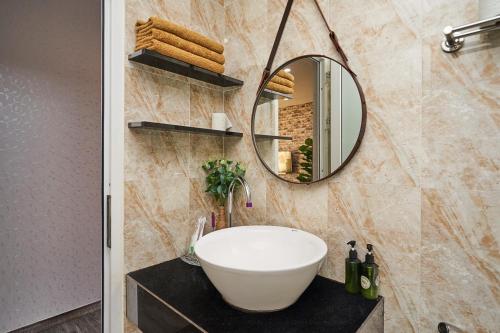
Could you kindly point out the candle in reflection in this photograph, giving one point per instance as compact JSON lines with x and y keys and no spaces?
{"x":284,"y":162}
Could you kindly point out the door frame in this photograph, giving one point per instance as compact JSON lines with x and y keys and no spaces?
{"x":113,"y":71}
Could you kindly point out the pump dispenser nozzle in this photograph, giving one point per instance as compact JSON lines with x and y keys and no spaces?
{"x":353,"y":254}
{"x":369,"y":259}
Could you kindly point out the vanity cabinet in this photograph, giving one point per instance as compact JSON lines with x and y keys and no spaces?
{"x":176,"y":297}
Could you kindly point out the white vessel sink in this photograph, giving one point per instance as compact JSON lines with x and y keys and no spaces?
{"x":260,"y":268}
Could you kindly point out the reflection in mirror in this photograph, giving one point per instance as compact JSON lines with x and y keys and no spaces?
{"x":308,"y":119}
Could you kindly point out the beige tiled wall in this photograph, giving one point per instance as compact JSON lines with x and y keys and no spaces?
{"x":424,"y":187}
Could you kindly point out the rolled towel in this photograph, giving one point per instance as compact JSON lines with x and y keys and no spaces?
{"x":284,"y":82}
{"x":279,"y":88}
{"x":143,"y":27}
{"x":183,"y":44}
{"x":179,"y":54}
{"x":286,"y":75}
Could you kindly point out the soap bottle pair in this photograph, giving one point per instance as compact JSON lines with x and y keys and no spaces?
{"x":361,"y":276}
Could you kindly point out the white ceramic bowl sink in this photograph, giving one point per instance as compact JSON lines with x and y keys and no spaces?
{"x":260,"y":268}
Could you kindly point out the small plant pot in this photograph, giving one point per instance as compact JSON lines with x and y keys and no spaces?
{"x":221,"y":218}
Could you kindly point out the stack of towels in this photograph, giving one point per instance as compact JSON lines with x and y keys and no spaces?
{"x":282,"y":83}
{"x":178,"y":42}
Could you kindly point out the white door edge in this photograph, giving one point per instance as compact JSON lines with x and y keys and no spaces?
{"x":113,"y":69}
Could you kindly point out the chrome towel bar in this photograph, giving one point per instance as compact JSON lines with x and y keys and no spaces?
{"x":454,"y":37}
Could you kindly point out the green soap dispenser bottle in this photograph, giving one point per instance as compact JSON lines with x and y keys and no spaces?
{"x":369,"y":275}
{"x":352,"y":270}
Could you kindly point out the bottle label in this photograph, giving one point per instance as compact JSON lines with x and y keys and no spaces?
{"x":365,"y":283}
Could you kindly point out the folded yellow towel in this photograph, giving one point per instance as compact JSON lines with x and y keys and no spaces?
{"x":284,"y":82}
{"x":286,"y":75}
{"x":183,"y":44}
{"x":179,"y":54}
{"x":279,"y":88}
{"x":143,"y":27}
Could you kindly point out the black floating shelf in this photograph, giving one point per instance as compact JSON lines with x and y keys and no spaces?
{"x":273,"y":137}
{"x":157,"y":60}
{"x":147,"y":125}
{"x":269,"y":95}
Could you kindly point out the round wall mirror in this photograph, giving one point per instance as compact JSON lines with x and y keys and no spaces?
{"x":308,"y":119}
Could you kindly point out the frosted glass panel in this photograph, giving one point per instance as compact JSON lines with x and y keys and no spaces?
{"x":50,"y":159}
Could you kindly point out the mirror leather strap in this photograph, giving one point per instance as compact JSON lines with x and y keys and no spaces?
{"x":267,"y":70}
{"x":333,"y":38}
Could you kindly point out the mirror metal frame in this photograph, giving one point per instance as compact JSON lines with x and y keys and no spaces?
{"x":361,"y":129}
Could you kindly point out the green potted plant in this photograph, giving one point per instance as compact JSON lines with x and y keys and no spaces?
{"x":220,"y":174}
{"x":305,"y":174}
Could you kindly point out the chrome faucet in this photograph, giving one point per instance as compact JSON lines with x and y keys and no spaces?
{"x":232,"y":186}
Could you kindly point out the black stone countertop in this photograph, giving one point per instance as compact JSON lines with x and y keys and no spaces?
{"x":324,"y":307}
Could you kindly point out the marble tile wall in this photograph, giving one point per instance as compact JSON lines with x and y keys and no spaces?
{"x":163,"y":181}
{"x":424,"y":187}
